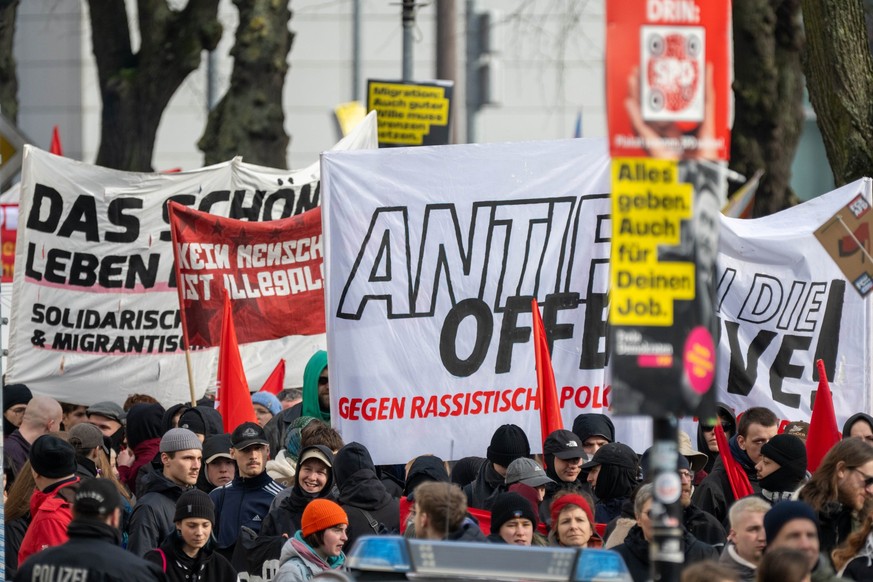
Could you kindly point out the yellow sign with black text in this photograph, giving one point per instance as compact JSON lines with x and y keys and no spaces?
{"x":649,"y":205}
{"x":411,"y":114}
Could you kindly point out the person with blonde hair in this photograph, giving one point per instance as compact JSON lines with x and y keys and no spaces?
{"x":572,"y":521}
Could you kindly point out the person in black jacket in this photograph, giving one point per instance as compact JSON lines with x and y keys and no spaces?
{"x":635,"y":549}
{"x":313,"y":479}
{"x":93,"y":552}
{"x":507,"y":444}
{"x":369,"y":506}
{"x":187,"y":555}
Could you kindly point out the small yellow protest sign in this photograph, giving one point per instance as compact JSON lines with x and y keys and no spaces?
{"x":411,"y":114}
{"x":648,"y":207}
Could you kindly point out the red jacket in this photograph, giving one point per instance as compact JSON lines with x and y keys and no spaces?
{"x":52,"y":512}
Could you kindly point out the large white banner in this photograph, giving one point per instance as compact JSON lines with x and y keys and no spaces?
{"x":95,"y":310}
{"x":432,"y":255}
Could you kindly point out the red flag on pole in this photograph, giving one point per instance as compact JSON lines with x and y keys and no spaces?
{"x":56,"y":148}
{"x":739,"y":481}
{"x":547,"y":391}
{"x":823,"y":430}
{"x":275,"y":383}
{"x":234,"y":400}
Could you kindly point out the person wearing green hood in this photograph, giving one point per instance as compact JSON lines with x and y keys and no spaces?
{"x":316,"y":403}
{"x":316,"y":388}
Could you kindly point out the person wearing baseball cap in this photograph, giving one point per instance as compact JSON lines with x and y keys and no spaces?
{"x":246,"y":500}
{"x":152,"y":519}
{"x":528,"y":472}
{"x":92,"y":552}
{"x":612,"y":475}
{"x":564,"y":454}
{"x":187,"y":553}
{"x":318,"y":545}
{"x":220,"y":468}
{"x":53,"y":462}
{"x":109,"y":417}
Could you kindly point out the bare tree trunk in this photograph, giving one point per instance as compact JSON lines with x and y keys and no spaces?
{"x":768,"y":93}
{"x":136,"y":87}
{"x":249,"y":120}
{"x":8,"y":75}
{"x":839,"y":72}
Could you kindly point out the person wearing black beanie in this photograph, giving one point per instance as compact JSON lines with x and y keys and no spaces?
{"x":15,"y":399}
{"x":143,"y":439}
{"x":188,"y":553}
{"x":782,"y":468}
{"x":508,"y":443}
{"x":513,"y":520}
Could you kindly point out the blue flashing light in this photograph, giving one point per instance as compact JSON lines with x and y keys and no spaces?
{"x":600,"y":565}
{"x":380,"y":554}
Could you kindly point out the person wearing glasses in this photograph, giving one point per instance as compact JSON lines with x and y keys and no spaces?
{"x":839,"y":490}
{"x":315,"y":403}
{"x":757,"y":426}
{"x":706,"y":439}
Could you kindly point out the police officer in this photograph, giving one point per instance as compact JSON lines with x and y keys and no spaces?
{"x":92,"y":553}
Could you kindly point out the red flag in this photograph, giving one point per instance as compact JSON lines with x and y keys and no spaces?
{"x":234,"y":400}
{"x":739,"y":481}
{"x":56,"y":148}
{"x":547,"y":391}
{"x":275,"y":383}
{"x":823,"y":431}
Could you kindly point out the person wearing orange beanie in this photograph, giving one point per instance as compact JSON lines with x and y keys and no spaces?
{"x":318,"y":544}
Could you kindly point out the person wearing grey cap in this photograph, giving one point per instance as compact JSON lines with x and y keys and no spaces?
{"x":92,"y":552}
{"x":152,"y":519}
{"x":109,"y":418}
{"x":528,"y":472}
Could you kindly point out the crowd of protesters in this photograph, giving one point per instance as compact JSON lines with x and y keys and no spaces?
{"x":135,"y":491}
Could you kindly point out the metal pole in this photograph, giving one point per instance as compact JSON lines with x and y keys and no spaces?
{"x":211,"y":81}
{"x":408,"y":23}
{"x":666,"y":550}
{"x":446,"y":54}
{"x":471,"y":85}
{"x":356,"y":50}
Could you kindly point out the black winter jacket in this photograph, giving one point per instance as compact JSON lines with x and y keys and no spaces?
{"x":635,"y":553}
{"x":92,"y":553}
{"x":152,"y":518}
{"x":208,"y":566}
{"x":361,"y":490}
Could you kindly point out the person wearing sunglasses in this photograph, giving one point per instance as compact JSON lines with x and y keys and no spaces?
{"x":839,"y":490}
{"x":757,"y":425}
{"x":706,"y":438}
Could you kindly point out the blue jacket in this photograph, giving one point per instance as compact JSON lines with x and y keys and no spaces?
{"x":242,"y":502}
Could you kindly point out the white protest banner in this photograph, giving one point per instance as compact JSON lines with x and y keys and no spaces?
{"x":783,"y":304}
{"x":432,"y":256}
{"x":95,"y":311}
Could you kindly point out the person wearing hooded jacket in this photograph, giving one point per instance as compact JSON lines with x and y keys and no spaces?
{"x":594,"y":430}
{"x":315,"y":403}
{"x":859,"y":426}
{"x":93,"y":551}
{"x":613,"y":475}
{"x":706,"y":439}
{"x":360,"y":491}
{"x":287,"y":517}
{"x":564,"y":455}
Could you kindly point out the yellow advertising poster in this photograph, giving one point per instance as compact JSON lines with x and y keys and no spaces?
{"x":648,"y":207}
{"x":411,"y":114}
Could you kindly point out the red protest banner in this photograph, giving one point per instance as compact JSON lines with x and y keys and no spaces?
{"x":668,"y":76}
{"x":272,"y":272}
